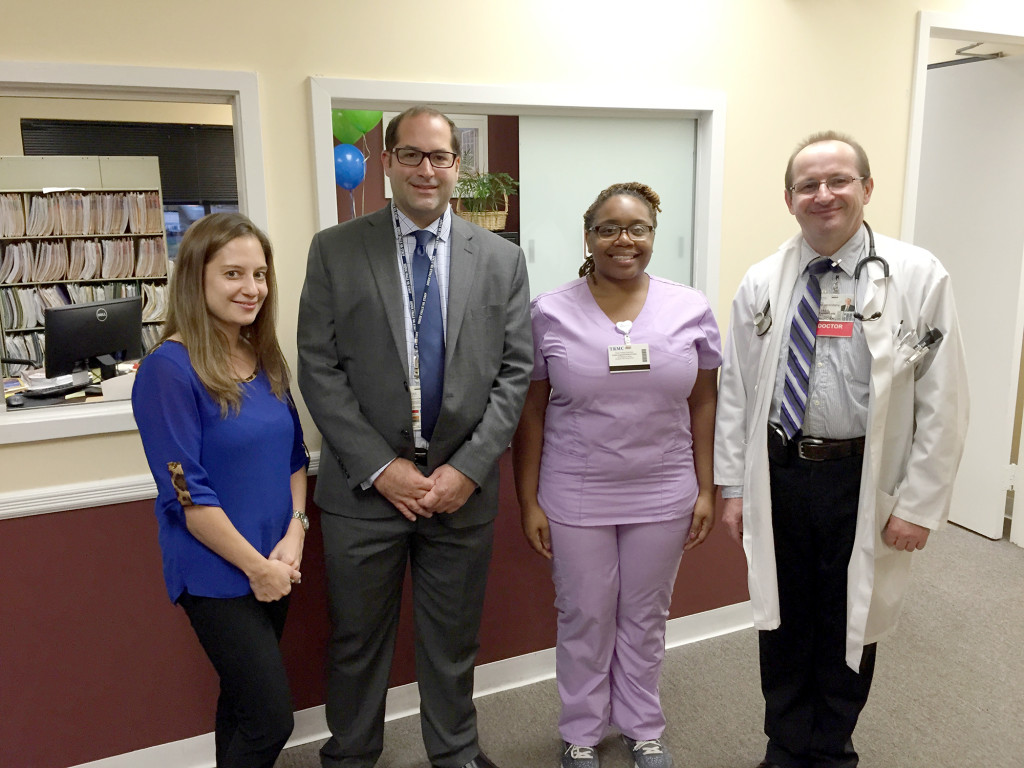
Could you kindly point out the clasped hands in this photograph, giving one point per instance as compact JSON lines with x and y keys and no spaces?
{"x":274,"y":579}
{"x":414,"y":495}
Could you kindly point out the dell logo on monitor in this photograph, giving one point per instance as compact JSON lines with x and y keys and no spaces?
{"x":101,"y":314}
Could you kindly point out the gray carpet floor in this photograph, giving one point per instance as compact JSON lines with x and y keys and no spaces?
{"x":948,"y":689}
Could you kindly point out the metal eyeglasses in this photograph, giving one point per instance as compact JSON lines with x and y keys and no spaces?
{"x":835,"y":184}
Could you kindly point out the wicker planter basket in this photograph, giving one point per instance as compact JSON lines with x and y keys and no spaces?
{"x":492,"y":220}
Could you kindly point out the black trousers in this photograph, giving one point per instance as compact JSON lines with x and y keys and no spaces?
{"x":812,"y":698}
{"x":254,"y":711}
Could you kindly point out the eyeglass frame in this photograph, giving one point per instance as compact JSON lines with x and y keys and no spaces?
{"x":617,"y":235}
{"x":825,"y":182}
{"x":422,"y":155}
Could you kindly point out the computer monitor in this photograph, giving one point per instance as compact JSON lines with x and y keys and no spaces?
{"x":106,"y":330}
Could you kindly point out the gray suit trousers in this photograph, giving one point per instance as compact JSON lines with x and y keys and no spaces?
{"x":365,"y":562}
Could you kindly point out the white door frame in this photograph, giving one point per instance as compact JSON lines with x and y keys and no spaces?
{"x":941,"y":26}
{"x":707,"y":107}
{"x":944,"y":26}
{"x":98,"y":81}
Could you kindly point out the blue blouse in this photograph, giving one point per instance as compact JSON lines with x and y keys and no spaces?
{"x":241,"y":463}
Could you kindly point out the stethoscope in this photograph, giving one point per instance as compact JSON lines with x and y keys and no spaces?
{"x":763,"y":319}
{"x":872,"y":256}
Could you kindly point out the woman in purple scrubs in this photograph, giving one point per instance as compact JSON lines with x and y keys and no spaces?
{"x":613,"y":466}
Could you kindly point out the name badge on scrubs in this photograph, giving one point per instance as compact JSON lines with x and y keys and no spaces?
{"x":629,"y":357}
{"x":835,"y":317}
{"x":416,"y":398}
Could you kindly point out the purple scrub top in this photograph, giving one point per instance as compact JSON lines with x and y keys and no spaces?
{"x":617,"y":446}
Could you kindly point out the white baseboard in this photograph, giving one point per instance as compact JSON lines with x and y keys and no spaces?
{"x":404,"y":700}
{"x":62,"y":498}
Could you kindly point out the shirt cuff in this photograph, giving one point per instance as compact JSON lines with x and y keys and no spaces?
{"x":367,"y":484}
{"x":732,"y":491}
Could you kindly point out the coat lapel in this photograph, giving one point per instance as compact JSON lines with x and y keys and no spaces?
{"x":878,"y":335}
{"x":781,"y":283}
{"x":380,"y":246}
{"x":874,"y":292}
{"x":461,"y":274}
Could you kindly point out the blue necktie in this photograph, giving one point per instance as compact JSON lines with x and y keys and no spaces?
{"x":802,"y":335}
{"x":431,"y":335}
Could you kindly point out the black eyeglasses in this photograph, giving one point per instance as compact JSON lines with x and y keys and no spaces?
{"x":614,"y":231}
{"x":412,"y":156}
{"x":810,"y":187}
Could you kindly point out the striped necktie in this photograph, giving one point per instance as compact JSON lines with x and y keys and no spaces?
{"x":802,"y":335}
{"x":431,"y":335}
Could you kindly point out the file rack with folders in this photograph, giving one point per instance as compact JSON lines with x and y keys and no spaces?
{"x":75,"y":230}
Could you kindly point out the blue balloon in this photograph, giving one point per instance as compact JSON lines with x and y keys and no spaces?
{"x":349,"y":166}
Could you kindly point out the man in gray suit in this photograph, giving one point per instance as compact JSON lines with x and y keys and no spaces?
{"x":414,"y":358}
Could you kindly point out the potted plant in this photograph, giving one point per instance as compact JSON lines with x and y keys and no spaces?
{"x":483,"y":198}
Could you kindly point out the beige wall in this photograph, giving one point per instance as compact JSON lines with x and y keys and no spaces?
{"x":787,"y":67}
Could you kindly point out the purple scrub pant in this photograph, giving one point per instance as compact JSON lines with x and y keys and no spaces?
{"x":613,"y":586}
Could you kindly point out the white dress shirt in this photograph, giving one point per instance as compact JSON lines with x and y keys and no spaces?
{"x":441,"y":256}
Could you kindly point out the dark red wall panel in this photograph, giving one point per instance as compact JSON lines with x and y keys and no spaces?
{"x":503,"y":157}
{"x":95,"y":661}
{"x":368,"y":196}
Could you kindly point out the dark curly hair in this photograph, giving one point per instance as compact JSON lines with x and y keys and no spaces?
{"x":641,"y":192}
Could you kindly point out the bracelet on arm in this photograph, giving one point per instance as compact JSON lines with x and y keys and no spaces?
{"x":299,"y":515}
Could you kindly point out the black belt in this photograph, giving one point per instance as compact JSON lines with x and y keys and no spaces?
{"x":420,"y":456}
{"x":781,"y":450}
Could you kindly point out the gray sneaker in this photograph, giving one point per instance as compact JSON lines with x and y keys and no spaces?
{"x":576,"y":756}
{"x":648,"y":753}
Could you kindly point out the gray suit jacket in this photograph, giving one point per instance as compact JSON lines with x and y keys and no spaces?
{"x":353,"y":367}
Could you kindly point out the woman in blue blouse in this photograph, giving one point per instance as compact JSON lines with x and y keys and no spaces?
{"x":224,"y":444}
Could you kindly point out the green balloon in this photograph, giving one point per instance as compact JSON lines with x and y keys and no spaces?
{"x":363,"y":119}
{"x":344,"y":131}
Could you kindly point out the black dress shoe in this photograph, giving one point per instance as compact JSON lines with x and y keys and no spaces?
{"x":480,"y":761}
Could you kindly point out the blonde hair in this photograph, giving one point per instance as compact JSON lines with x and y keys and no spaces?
{"x":189,"y":319}
{"x":641,"y":192}
{"x":863,"y":166}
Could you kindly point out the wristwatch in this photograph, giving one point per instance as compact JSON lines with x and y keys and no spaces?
{"x":299,"y":515}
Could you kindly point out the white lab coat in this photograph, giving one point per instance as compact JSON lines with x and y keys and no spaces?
{"x":917,"y":420}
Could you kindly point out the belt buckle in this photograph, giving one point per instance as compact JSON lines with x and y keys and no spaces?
{"x":812,"y":441}
{"x":420,"y":455}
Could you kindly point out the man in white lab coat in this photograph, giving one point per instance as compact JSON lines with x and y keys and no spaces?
{"x":836,"y":445}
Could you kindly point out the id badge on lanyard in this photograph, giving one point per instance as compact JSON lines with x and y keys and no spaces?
{"x":417,"y":405}
{"x":628,"y":357}
{"x":835,"y":316}
{"x":415,"y":392}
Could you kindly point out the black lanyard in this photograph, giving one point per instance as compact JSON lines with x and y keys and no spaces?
{"x":416,"y":317}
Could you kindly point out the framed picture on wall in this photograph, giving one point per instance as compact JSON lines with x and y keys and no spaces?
{"x":473,"y":137}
